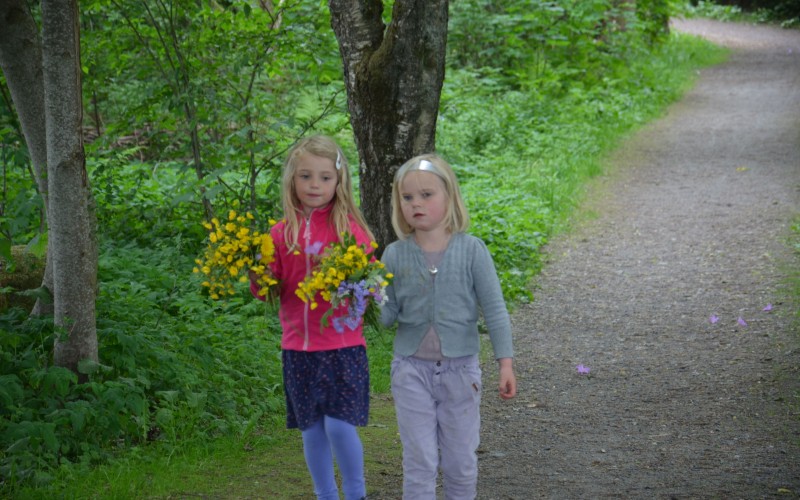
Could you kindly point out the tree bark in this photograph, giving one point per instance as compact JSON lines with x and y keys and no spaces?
{"x":72,"y":218}
{"x":21,"y":63}
{"x":394,"y":77}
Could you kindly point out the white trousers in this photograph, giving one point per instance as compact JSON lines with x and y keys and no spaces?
{"x":438,"y":413}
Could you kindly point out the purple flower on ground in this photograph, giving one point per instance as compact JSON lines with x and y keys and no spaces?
{"x":583,"y":370}
{"x":767,"y":308}
{"x":713,"y":319}
{"x":741,"y":321}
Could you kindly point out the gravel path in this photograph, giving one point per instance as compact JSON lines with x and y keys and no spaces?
{"x":691,"y":223}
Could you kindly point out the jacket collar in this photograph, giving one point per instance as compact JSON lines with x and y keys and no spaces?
{"x":317,"y":212}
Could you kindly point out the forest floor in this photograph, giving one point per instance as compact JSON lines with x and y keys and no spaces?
{"x":691,"y":222}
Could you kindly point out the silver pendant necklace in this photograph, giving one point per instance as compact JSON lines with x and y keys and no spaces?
{"x":431,"y":259}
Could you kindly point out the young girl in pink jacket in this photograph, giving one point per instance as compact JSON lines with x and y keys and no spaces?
{"x":325,"y":373}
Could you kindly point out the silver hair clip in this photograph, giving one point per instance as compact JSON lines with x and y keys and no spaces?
{"x":338,"y":160}
{"x":428,"y":166}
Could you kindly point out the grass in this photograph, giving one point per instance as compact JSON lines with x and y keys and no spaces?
{"x":266,"y":464}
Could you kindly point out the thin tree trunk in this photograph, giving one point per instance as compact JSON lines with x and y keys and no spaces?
{"x":20,"y":61}
{"x":72,"y":219}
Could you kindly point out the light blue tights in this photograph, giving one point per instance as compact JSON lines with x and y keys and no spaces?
{"x":324,"y":439}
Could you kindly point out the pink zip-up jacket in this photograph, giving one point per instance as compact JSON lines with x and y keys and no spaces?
{"x":302,"y":327}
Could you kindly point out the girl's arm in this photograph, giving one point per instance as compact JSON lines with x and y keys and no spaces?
{"x":255,"y":287}
{"x":490,"y":298}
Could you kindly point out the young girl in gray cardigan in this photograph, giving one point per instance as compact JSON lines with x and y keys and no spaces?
{"x":441,"y":277}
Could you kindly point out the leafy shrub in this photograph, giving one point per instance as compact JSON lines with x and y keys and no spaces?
{"x":173,"y":369}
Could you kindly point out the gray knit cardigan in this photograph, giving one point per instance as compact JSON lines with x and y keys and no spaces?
{"x":466,"y":279}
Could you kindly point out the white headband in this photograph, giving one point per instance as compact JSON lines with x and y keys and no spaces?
{"x":428,"y":166}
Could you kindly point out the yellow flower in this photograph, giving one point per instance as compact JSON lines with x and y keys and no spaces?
{"x":232,"y":248}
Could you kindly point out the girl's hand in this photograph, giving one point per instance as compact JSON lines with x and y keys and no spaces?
{"x":253,"y":277}
{"x":508,"y":381}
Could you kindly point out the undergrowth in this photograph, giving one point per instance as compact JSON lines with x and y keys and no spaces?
{"x":522,"y":158}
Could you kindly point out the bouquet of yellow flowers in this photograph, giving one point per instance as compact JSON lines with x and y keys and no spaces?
{"x":347,"y":277}
{"x":233,"y":250}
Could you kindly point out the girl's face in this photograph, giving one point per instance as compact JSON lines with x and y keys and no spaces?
{"x":423,"y":200}
{"x":315,"y":181}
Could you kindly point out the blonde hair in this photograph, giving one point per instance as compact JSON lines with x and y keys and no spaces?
{"x":456,"y":216}
{"x":343,"y":200}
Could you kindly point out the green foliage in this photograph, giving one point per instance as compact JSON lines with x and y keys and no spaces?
{"x":794,"y":273}
{"x":547,"y":43}
{"x":144,"y":201}
{"x":522,"y":155}
{"x":711,"y":10}
{"x":218,"y":90}
{"x":174,"y":369}
{"x":21,"y":207}
{"x":784,"y":12}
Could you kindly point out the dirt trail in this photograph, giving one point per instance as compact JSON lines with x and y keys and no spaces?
{"x":691,"y":223}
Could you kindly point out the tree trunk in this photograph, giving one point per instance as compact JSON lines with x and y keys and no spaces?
{"x":72,"y":219}
{"x":394,"y":79}
{"x":21,"y":63}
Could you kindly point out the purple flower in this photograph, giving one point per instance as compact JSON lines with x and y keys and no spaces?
{"x":583,"y":370}
{"x":713,"y":319}
{"x":741,"y":321}
{"x":767,"y":308}
{"x":358,"y":293}
{"x":314,"y":248}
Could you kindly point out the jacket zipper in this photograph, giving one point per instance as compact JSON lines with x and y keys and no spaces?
{"x":307,"y":238}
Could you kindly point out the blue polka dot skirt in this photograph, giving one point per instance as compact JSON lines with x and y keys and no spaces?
{"x":333,"y":383}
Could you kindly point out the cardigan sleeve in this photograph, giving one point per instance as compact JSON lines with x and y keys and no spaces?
{"x":490,"y":299}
